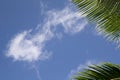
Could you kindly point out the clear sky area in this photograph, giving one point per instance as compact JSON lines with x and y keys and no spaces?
{"x":48,"y":40}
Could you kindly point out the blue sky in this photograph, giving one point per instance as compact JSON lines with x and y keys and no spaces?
{"x":48,"y":39}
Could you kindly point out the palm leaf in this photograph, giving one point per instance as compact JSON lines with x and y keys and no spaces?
{"x":104,"y":71}
{"x":106,"y":13}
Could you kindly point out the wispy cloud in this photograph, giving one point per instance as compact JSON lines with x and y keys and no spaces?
{"x":30,"y":44}
{"x":74,"y":72}
{"x":36,"y":69}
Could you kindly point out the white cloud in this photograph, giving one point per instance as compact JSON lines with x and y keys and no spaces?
{"x":26,"y":46}
{"x":71,"y":21}
{"x":73,"y":72}
{"x":36,"y":69}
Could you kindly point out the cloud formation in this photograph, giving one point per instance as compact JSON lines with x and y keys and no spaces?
{"x":74,"y":72}
{"x":29,"y":46}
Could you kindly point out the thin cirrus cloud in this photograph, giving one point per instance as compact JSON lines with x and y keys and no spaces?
{"x":29,"y":47}
{"x":81,"y":67}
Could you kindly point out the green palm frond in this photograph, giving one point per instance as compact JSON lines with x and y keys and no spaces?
{"x":104,"y":71}
{"x":106,"y":13}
